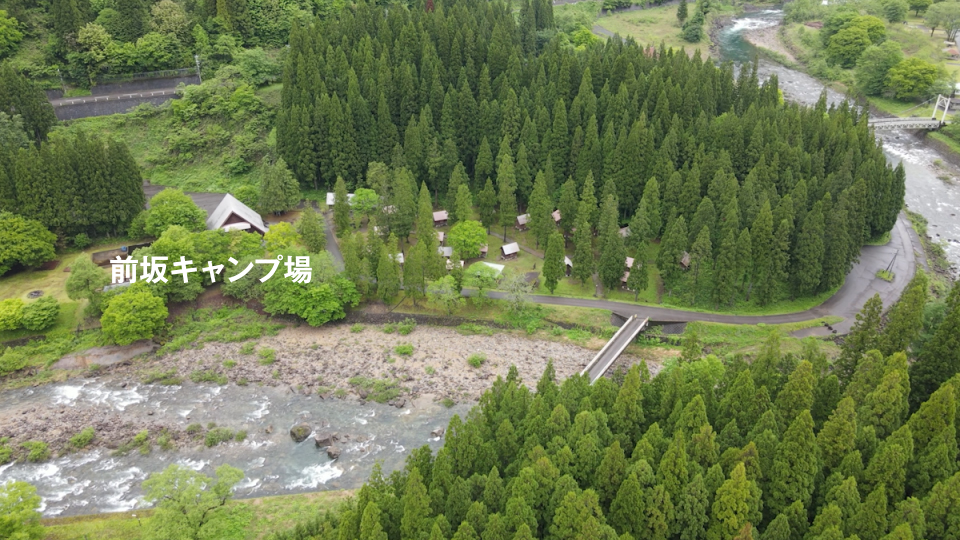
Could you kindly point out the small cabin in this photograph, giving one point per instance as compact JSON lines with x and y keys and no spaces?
{"x":521,"y":223}
{"x":233,"y":215}
{"x":483,"y":251}
{"x":556,"y":216}
{"x":399,"y":258}
{"x":568,"y":265}
{"x":440,"y":218}
{"x":510,"y":251}
{"x":623,"y":280}
{"x":441,"y":236}
{"x":629,"y":263}
{"x":450,"y":264}
{"x":625,"y":232}
{"x":445,"y":251}
{"x":332,"y":198}
{"x":685,"y":260}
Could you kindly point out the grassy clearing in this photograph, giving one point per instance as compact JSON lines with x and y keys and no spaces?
{"x":270,"y":514}
{"x":146,"y":136}
{"x":722,"y":339}
{"x":659,"y":25}
{"x":493,"y":311}
{"x":226,"y":325}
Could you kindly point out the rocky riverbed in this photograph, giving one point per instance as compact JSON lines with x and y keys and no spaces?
{"x":331,"y":363}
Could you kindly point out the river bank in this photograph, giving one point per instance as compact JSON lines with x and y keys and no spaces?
{"x":344,"y":363}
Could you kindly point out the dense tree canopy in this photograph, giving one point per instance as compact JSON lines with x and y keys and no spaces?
{"x":72,"y":185}
{"x":630,"y":457}
{"x":455,"y":96}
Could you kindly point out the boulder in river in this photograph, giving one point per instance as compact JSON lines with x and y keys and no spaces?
{"x":324,"y":439}
{"x":300,"y":432}
{"x":333,"y":452}
{"x":437,"y":432}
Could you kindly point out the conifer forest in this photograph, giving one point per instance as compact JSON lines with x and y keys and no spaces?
{"x":679,"y":148}
{"x":787,"y":376}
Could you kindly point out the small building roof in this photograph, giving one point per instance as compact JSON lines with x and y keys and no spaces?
{"x":625,"y":231}
{"x":685,"y":260}
{"x":629,"y":262}
{"x":567,"y":261}
{"x":556,"y":215}
{"x":441,"y":235}
{"x":332,"y":198}
{"x":626,"y":276}
{"x":484,"y":248}
{"x":231,"y":206}
{"x":498,"y":267}
{"x":440,"y":216}
{"x":399,"y":257}
{"x":522,"y":220}
{"x":450,"y":264}
{"x":510,"y":249}
{"x":446,"y":251}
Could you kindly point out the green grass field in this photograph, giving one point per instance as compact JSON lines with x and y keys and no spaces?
{"x":659,"y":24}
{"x":270,"y":515}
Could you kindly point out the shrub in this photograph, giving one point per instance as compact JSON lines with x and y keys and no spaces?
{"x":37,"y":451}
{"x":81,"y":241}
{"x":165,"y":440}
{"x":242,"y":381}
{"x":404,"y":349}
{"x":241,"y":436}
{"x":229,"y":364}
{"x":389,"y":328}
{"x":200,"y":376}
{"x":194,"y":429}
{"x":166,"y":378}
{"x":430,"y":370}
{"x":357,"y":328}
{"x":247,"y":348}
{"x":82,"y":439}
{"x":406,"y":326}
{"x":12,"y":360}
{"x":217,"y":436}
{"x":470,"y":329}
{"x":267,"y":356}
{"x":41,"y":314}
{"x":379,"y":390}
{"x":11,"y":314}
{"x":477,"y":359}
{"x":6,"y":453}
{"x":447,"y":402}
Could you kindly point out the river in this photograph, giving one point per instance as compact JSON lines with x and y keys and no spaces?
{"x":96,"y":481}
{"x":938,"y":200}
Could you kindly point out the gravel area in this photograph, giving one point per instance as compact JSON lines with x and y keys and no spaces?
{"x":319,"y":360}
{"x":325,"y":359}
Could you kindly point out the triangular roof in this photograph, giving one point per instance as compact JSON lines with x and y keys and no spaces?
{"x":510,"y":249}
{"x":230,"y":205}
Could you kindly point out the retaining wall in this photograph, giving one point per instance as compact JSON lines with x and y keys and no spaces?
{"x":92,"y":107}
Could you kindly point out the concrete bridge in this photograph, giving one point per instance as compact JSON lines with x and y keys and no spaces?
{"x":614,"y":348}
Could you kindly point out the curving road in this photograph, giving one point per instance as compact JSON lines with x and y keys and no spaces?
{"x":861,"y":283}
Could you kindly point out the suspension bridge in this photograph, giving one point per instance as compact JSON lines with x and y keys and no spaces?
{"x":916,"y":122}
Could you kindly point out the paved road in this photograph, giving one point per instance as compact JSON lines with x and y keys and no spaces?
{"x":861,"y":284}
{"x":113,"y":97}
{"x":332,"y":246}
